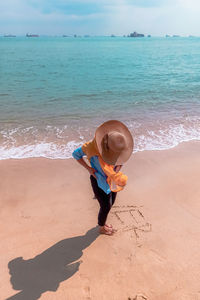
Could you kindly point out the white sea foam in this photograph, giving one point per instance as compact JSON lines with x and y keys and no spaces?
{"x":48,"y":150}
{"x":158,"y":139}
{"x":166,"y":138}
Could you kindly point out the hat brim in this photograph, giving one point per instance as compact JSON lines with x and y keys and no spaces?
{"x":106,"y":128}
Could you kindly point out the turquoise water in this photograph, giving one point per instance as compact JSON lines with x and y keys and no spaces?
{"x":55,"y":91}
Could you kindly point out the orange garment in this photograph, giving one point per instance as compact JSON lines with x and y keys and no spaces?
{"x":116,"y":181}
{"x":90,"y":149}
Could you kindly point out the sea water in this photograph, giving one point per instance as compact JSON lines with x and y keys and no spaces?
{"x":55,"y":91}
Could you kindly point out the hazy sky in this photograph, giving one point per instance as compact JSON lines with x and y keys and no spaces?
{"x":156,"y":17}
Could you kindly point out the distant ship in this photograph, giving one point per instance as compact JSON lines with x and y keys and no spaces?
{"x":32,"y":35}
{"x":135,"y":34}
{"x":175,"y":35}
{"x":167,"y":36}
{"x":148,"y":35}
{"x":9,"y":35}
{"x":64,"y":35}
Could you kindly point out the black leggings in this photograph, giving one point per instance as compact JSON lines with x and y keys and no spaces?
{"x":105,"y":201}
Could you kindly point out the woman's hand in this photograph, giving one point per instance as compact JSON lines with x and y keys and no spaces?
{"x":90,"y":169}
{"x":92,"y":172}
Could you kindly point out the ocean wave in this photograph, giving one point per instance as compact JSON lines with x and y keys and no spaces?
{"x":47,"y":150}
{"x":158,"y":139}
{"x":166,"y":138}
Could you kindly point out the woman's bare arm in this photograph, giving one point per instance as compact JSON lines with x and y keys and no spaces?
{"x":91,"y":170}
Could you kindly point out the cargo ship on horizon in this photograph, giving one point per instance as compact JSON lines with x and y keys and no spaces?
{"x":9,"y":35}
{"x":135,"y":34}
{"x":32,"y":35}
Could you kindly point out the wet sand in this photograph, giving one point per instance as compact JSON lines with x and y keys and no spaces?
{"x":50,"y":242}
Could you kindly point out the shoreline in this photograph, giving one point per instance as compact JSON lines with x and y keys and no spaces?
{"x":70,"y":147}
{"x":155,"y":252}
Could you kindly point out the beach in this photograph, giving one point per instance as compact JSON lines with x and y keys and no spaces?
{"x":66,"y":68}
{"x":51,"y":246}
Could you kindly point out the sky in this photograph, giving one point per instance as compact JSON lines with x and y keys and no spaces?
{"x":100,"y":17}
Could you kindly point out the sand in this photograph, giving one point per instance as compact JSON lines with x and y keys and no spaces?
{"x":51,"y":246}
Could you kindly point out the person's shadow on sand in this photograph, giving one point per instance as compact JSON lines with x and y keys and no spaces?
{"x":45,"y":272}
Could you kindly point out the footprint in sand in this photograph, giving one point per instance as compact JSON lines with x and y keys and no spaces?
{"x":86,"y":288}
{"x":87,"y":292}
{"x":138,"y":297}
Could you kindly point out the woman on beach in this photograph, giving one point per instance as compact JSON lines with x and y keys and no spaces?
{"x":111,"y":147}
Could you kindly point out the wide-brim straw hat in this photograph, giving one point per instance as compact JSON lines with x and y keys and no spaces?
{"x":114,"y":142}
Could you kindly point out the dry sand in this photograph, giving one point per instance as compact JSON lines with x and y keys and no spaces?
{"x":47,"y":207}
